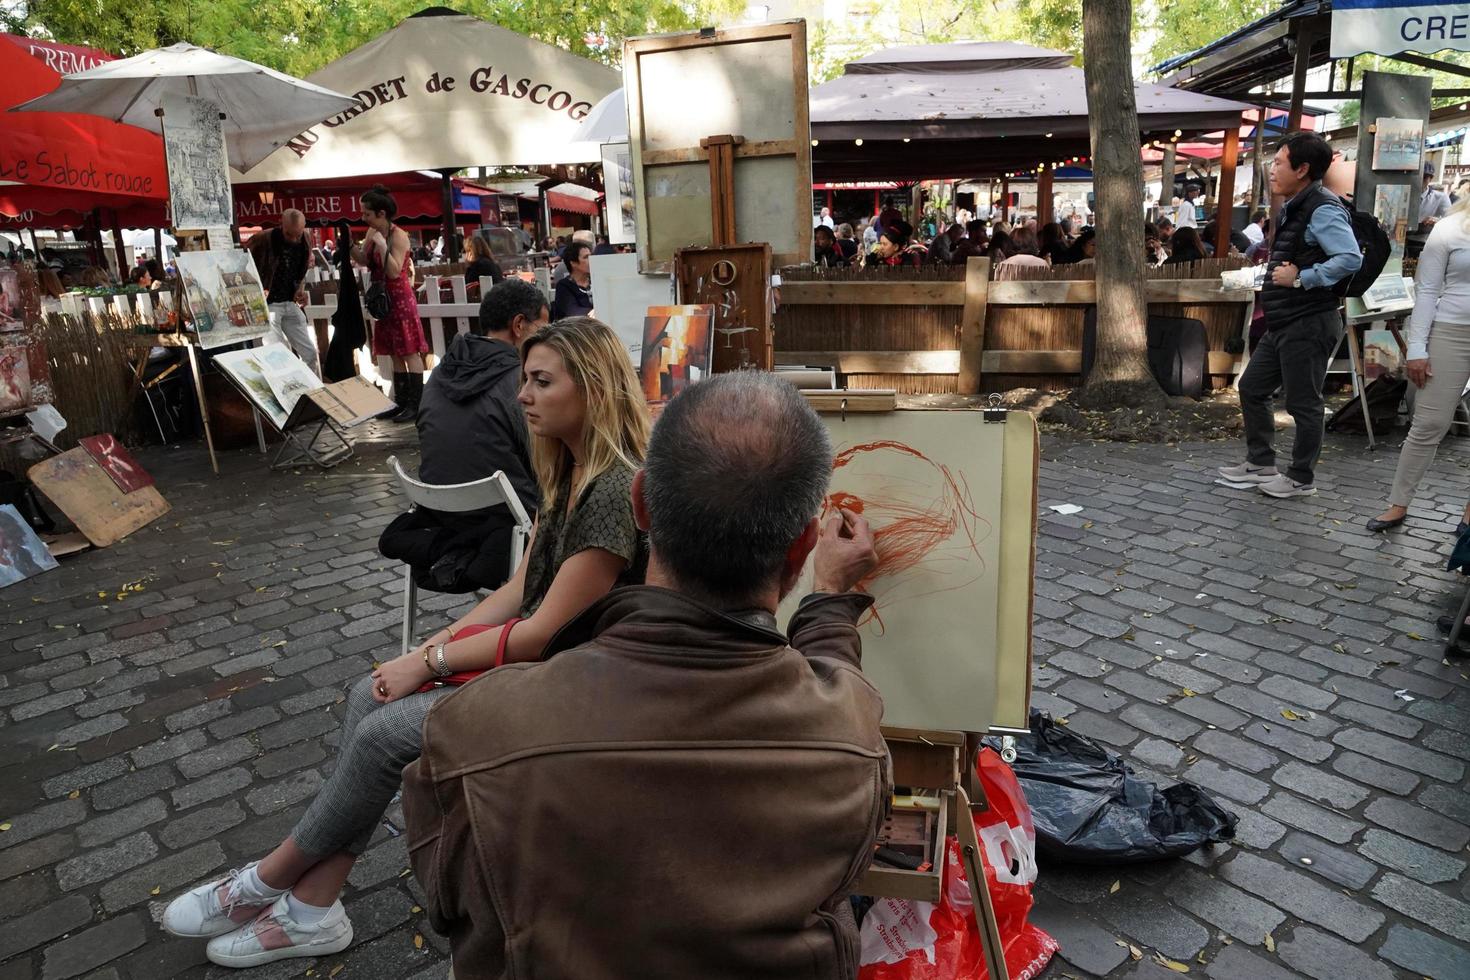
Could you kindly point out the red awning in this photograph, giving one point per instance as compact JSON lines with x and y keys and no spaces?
{"x":571,"y":204}
{"x":26,"y":206}
{"x":69,"y":151}
{"x":335,"y":199}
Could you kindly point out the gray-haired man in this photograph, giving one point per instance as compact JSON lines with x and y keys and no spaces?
{"x":282,"y":256}
{"x":740,"y":777}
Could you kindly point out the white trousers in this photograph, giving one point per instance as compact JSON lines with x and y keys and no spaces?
{"x":1434,"y":407}
{"x":290,"y":323}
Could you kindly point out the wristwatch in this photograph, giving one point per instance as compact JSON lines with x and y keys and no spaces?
{"x":441,"y":666}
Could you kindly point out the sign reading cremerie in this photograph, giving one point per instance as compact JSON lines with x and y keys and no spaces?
{"x":1393,"y":26}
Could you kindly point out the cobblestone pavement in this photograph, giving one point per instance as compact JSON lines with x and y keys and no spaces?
{"x":156,"y":736}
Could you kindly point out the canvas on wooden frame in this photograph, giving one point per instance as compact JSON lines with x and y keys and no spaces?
{"x":22,"y":553}
{"x":223,"y":296}
{"x":677,"y":349}
{"x":951,"y":500}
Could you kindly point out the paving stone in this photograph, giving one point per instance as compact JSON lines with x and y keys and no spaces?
{"x":215,"y":757}
{"x":1456,"y":744}
{"x":1085,"y":945}
{"x":111,"y":826}
{"x":283,"y":793}
{"x":1414,"y":821}
{"x":1212,"y":713}
{"x":1392,"y":751}
{"x":1102,"y":728}
{"x":198,"y":715}
{"x":1295,"y":692}
{"x":84,"y":777}
{"x":1094,"y":696}
{"x":1229,"y":782}
{"x":1235,"y":962}
{"x":211,"y":787}
{"x":1159,"y":721}
{"x":169,"y":747}
{"x":378,"y":912}
{"x":24,"y":893}
{"x":1302,"y":896}
{"x":1235,"y":751}
{"x":91,"y":949}
{"x":1292,"y":743}
{"x":1427,"y":864}
{"x":1140,"y":686}
{"x":1156,"y":754}
{"x":46,"y":705}
{"x":1296,"y":812}
{"x":1332,"y":863}
{"x":201,"y":824}
{"x":1375,"y":773}
{"x":1135,"y":912}
{"x":1254,"y":830}
{"x":106,"y":862}
{"x":131,"y":788}
{"x":293,"y":757}
{"x":1424,"y":954}
{"x":296,"y":729}
{"x":1425,"y":905}
{"x":244,"y":722}
{"x":1323,"y":957}
{"x":1186,"y":677}
{"x":1389,"y":722}
{"x":1223,"y":907}
{"x":380,"y":863}
{"x":307,"y":700}
{"x":42,"y":820}
{"x":43,"y":925}
{"x":36,"y":854}
{"x":90,"y":729}
{"x":165,"y":874}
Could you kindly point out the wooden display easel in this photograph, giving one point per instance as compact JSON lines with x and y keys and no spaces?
{"x":943,"y":763}
{"x":735,"y":280}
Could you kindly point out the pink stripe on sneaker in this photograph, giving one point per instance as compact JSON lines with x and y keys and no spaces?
{"x":270,"y":934}
{"x":240,"y":913}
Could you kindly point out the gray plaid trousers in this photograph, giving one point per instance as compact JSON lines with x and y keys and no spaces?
{"x":378,"y":741}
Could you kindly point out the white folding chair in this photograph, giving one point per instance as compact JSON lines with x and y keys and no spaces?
{"x":457,"y":498}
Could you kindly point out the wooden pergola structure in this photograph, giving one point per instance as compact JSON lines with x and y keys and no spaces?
{"x":986,"y":110}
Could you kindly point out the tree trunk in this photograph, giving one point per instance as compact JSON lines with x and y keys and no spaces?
{"x":1120,"y":375}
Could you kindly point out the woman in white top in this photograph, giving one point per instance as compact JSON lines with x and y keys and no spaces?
{"x":1439,"y":356}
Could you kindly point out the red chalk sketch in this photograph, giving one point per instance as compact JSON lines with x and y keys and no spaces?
{"x":922,"y":516}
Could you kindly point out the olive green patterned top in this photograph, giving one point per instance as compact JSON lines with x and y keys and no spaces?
{"x":603,"y":518}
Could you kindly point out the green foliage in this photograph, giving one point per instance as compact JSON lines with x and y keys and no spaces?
{"x":1181,"y":26}
{"x":301,"y":36}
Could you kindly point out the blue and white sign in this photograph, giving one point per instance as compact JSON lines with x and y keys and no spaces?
{"x":1393,"y":26}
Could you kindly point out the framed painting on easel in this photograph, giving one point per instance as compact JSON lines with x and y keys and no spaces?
{"x":720,"y":134}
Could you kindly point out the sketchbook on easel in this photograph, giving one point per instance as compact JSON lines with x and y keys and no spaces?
{"x":951,"y":499}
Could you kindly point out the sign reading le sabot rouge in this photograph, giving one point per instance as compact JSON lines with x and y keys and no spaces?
{"x":446,"y":91}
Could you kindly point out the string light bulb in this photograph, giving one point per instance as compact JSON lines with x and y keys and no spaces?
{"x":857,"y":142}
{"x":816,"y":142}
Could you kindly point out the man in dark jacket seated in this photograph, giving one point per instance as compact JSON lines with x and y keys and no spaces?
{"x":471,"y":425}
{"x":677,"y":790}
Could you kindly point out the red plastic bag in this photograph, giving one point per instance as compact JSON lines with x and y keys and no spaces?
{"x":903,"y":940}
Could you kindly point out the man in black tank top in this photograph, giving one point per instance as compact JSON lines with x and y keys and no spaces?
{"x":1314,"y":252}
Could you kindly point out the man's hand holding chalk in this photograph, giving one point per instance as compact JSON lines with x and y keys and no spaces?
{"x":845,"y":554}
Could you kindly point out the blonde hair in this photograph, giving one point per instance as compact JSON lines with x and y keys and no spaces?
{"x":1461,"y":209}
{"x":616,"y":427}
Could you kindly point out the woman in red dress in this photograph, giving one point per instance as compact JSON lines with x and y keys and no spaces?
{"x":399,"y":334}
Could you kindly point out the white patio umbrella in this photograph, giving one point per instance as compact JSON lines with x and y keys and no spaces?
{"x":263,"y":108}
{"x":608,"y":120}
{"x":143,"y":238}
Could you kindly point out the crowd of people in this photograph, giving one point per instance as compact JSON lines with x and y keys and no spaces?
{"x":887,"y":239}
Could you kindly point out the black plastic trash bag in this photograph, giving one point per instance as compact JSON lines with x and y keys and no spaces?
{"x":1089,"y":808}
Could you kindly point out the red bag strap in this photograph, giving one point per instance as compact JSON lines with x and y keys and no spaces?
{"x":504,"y":639}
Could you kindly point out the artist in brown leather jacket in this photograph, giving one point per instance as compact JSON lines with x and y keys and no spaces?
{"x":676,"y":791}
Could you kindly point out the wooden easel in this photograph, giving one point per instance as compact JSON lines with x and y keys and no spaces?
{"x":942,"y":763}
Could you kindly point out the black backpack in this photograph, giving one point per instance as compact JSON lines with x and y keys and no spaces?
{"x":1373,"y":241}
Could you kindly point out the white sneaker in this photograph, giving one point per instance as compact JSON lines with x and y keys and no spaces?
{"x":1247,"y":473}
{"x":213,"y":909}
{"x":1284,"y":486}
{"x":274,"y":935}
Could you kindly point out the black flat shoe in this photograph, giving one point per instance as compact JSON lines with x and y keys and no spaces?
{"x":1374,"y":524}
